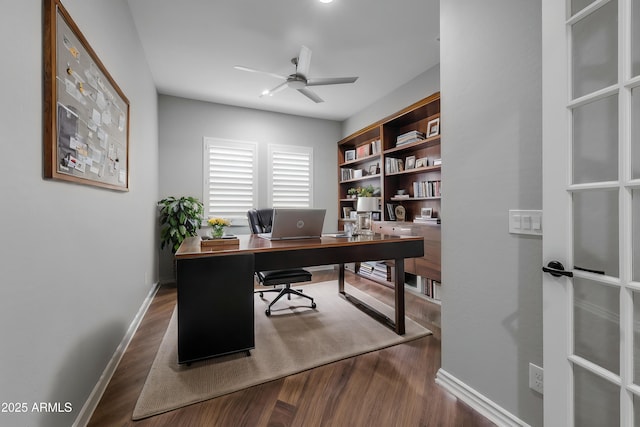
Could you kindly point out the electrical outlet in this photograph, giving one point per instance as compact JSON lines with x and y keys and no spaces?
{"x":536,"y":378}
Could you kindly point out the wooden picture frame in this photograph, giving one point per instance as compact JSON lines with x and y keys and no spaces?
{"x":433,"y":127}
{"x":422,"y":162}
{"x":374,"y":170}
{"x":410,"y":162}
{"x":86,"y":114}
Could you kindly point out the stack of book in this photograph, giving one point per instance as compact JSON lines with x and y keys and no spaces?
{"x":409,"y":137}
{"x":375,"y":270}
{"x":422,"y":220}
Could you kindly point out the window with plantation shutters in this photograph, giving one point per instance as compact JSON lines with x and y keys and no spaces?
{"x":290,"y":176}
{"x":230,"y":173}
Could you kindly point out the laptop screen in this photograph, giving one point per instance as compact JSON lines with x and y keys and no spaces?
{"x":297,"y":223}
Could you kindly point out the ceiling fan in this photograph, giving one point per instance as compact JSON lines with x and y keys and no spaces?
{"x":299,"y":80}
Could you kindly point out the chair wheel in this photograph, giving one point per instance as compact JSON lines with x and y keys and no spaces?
{"x":267,"y":312}
{"x":313,"y":305}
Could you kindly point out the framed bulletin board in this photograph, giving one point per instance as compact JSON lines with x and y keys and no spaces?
{"x":86,"y":115}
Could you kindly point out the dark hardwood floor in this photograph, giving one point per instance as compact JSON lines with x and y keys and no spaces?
{"x":390,"y":387}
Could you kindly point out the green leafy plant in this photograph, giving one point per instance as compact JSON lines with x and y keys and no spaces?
{"x":367,"y":191}
{"x":179,"y":219}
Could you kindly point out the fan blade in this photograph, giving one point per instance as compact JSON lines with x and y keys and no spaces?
{"x":331,"y":81}
{"x":274,"y":90}
{"x":311,"y":95}
{"x":304,"y":61}
{"x":253,"y":70}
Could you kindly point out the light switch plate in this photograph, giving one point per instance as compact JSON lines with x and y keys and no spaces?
{"x":525,"y":222}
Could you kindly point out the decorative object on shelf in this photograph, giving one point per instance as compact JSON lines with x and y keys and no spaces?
{"x":217,"y":226}
{"x":421,"y":163}
{"x":400,"y":213}
{"x":391,"y":211}
{"x":374,"y":169}
{"x":346,"y":211}
{"x":349,"y":155}
{"x":179,"y":219}
{"x":352,"y":192}
{"x":433,"y":127}
{"x":426,"y":212}
{"x":410,"y":162}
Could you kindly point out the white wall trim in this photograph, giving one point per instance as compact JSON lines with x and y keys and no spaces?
{"x":477,"y":401}
{"x":99,"y":389}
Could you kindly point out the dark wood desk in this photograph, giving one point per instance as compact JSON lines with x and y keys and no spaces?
{"x":215,"y":288}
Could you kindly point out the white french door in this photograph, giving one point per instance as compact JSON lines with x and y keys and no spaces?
{"x":591,"y":203}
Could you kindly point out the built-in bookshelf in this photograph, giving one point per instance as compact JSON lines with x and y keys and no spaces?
{"x":400,"y":156}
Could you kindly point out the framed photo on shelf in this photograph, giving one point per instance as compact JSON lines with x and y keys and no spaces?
{"x":426,"y":212}
{"x":433,"y":127}
{"x":374,"y":169}
{"x":349,"y":155}
{"x":410,"y":162}
{"x":346,"y":212}
{"x":375,"y":216}
{"x":421,"y":163}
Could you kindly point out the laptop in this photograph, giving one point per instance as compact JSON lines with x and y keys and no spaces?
{"x":295,"y":224}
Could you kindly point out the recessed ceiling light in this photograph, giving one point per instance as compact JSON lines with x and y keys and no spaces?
{"x":326,"y":1}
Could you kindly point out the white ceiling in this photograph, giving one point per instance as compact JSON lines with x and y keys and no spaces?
{"x":192,"y":46}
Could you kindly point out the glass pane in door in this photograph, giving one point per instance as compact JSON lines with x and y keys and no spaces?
{"x":595,"y":50}
{"x":635,"y":131}
{"x":578,"y":5}
{"x":595,"y":141}
{"x":596,"y":311}
{"x":597,"y":401}
{"x":635,"y":38}
{"x":595,"y":231}
{"x":636,"y":338}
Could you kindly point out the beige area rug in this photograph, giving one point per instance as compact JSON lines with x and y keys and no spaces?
{"x":295,"y":338}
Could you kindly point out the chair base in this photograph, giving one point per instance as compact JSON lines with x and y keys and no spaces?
{"x":287,"y":290}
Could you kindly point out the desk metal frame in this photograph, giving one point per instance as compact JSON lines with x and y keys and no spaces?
{"x":205,"y":278}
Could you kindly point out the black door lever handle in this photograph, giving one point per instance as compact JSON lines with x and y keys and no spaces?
{"x":556,"y":269}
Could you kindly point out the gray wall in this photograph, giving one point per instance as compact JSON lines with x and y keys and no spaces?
{"x":492,"y":162}
{"x":184,"y":123}
{"x":416,"y":89}
{"x":76,"y":261}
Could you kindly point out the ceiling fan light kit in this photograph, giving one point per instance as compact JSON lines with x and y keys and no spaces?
{"x":299,"y":80}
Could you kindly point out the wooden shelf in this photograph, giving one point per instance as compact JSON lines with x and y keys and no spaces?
{"x":414,"y":145}
{"x":413,"y":199}
{"x":372,"y":157}
{"x":364,"y":178}
{"x":416,"y":170}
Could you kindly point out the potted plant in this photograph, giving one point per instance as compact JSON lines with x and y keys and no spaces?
{"x":367,"y":201}
{"x":179,"y":218}
{"x":352,"y":193}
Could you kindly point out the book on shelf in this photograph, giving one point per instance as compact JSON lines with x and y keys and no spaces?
{"x":363,"y":151}
{"x":432,"y":289}
{"x":393,"y":165}
{"x":375,"y":146}
{"x":426,"y":189}
{"x":391,"y":211}
{"x":346,"y":174}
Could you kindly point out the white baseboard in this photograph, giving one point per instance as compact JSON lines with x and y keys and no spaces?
{"x":477,"y":401}
{"x":98,"y":390}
